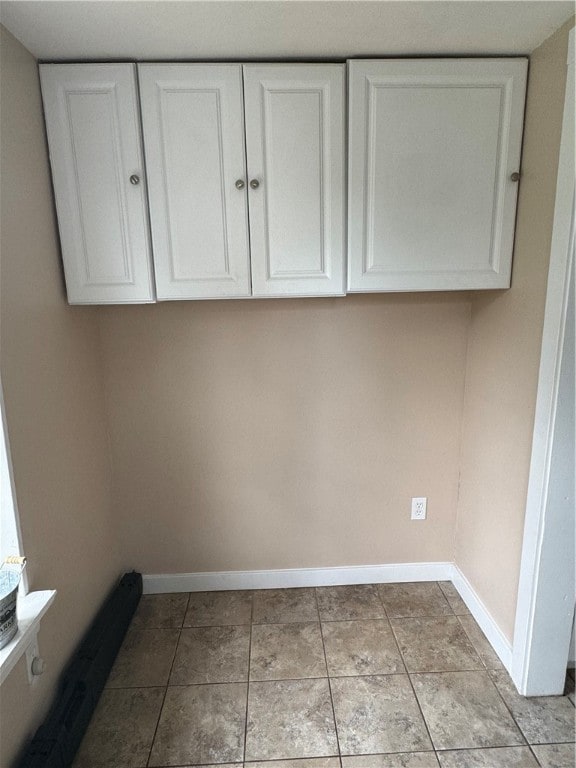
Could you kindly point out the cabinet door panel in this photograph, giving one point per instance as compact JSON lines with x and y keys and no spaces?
{"x":194,"y":139}
{"x":432,"y":147}
{"x":294,"y":137}
{"x":94,"y":138}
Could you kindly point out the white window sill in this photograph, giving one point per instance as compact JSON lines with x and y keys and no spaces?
{"x":30,"y":609}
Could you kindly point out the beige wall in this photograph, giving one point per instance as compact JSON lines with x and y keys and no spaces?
{"x":503,"y":360}
{"x":285,"y":433}
{"x":51,"y":374}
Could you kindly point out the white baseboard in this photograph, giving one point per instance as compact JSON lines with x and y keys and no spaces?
{"x":494,"y":634}
{"x":295,"y":577}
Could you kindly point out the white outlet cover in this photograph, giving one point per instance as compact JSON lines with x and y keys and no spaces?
{"x":419,"y":508}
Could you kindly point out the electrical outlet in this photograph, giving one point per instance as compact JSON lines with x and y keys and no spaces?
{"x":419,"y":508}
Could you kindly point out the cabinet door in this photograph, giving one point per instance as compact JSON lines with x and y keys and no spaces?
{"x":192,"y":119}
{"x":93,"y":128}
{"x":295,"y":147}
{"x":432,"y":148}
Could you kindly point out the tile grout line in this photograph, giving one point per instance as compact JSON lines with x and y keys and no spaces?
{"x":410,"y":679}
{"x":509,"y":709}
{"x":444,"y":595}
{"x":534,"y":755}
{"x":480,"y":749}
{"x":248,"y":679}
{"x":385,"y":612}
{"x":168,"y":681}
{"x":328,"y":677}
{"x":313,"y":677}
{"x":422,"y":715}
{"x":393,"y":635}
{"x":552,"y":743}
{"x":472,"y":643}
{"x":486,"y":667}
{"x":413,"y":690}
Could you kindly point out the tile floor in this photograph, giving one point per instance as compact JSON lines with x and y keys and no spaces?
{"x":371,"y":676}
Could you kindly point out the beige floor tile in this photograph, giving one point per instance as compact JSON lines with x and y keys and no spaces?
{"x":307,"y":762}
{"x":201,"y":724}
{"x":556,"y":755}
{"x":542,"y":719}
{"x":160,"y":611}
{"x":121,"y":730}
{"x":436,"y":644}
{"x":211,"y":655}
{"x":290,"y":716}
{"x":398,"y":760}
{"x":364,"y":647}
{"x":414,"y":599}
{"x":500,"y":757}
{"x":480,"y":643}
{"x":213,"y":609}
{"x":463,"y":710}
{"x":377,"y":713}
{"x":290,"y":719}
{"x":359,"y":601}
{"x":282,"y":606}
{"x":454,"y":600}
{"x":144,"y":659}
{"x":286,"y":651}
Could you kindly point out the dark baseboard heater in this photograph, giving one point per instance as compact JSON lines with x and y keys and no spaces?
{"x":58,"y":738}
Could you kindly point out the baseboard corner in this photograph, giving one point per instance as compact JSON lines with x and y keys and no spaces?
{"x":499,"y":642}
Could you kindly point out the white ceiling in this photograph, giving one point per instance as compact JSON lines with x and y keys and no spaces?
{"x":243,"y":29}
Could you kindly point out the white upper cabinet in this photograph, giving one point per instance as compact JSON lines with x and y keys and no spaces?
{"x":218,"y":159}
{"x":193,"y":123}
{"x":93,"y":127}
{"x":295,"y":146}
{"x":433,"y":146}
{"x":243,"y":193}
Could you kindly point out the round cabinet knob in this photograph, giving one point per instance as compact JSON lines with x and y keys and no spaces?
{"x":38,"y":666}
{"x":254,"y":184}
{"x":240,"y":184}
{"x":134,"y":179}
{"x":515,"y":176}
